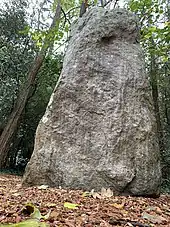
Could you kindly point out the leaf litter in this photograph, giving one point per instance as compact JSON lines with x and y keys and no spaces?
{"x":47,"y":206}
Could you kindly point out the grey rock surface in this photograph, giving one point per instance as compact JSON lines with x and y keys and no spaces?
{"x":99,"y":126}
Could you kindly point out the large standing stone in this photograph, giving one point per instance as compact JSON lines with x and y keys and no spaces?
{"x":99,"y":127}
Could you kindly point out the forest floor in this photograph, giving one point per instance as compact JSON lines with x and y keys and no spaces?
{"x":73,"y":208}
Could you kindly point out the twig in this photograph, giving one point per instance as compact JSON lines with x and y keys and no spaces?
{"x":68,"y":12}
{"x":121,"y":221}
{"x":65,"y":16}
{"x":116,"y":1}
{"x":107,"y":3}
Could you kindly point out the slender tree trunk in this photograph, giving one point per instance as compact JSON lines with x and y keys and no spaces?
{"x":166,"y":108}
{"x":12,"y":124}
{"x":154,"y":85}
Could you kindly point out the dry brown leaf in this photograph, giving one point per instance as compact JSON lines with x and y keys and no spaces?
{"x":154,"y":218}
{"x":51,"y":205}
{"x":43,"y":187}
{"x":91,"y":213}
{"x":54,"y":214}
{"x":106,"y":193}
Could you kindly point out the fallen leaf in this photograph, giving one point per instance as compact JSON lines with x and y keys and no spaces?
{"x":118,"y":206}
{"x":156,"y":209}
{"x":95,"y":195}
{"x":86,"y":194}
{"x":17,"y":194}
{"x":27,"y":223}
{"x":71,"y":205}
{"x":150,"y":208}
{"x":129,"y":224}
{"x":34,"y":212}
{"x":43,"y":187}
{"x":106,"y":192}
{"x":51,"y":204}
{"x":154,"y":218}
{"x":54,"y":215}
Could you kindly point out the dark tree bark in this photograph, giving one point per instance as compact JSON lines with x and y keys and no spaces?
{"x":13,"y":122}
{"x":154,"y":85}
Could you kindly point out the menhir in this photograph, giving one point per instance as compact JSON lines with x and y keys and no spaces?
{"x":99,"y":127}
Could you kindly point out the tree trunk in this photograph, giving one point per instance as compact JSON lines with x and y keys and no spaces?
{"x":12,"y":124}
{"x":154,"y":85}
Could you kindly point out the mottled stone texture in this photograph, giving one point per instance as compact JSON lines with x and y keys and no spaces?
{"x":99,"y":126}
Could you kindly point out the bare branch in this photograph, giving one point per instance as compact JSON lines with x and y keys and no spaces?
{"x":116,"y":2}
{"x":65,"y":16}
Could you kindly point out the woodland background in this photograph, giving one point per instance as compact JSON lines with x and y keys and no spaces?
{"x":33,"y":40}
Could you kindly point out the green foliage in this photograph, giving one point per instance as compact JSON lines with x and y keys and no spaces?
{"x":154,"y":29}
{"x":154,"y":16}
{"x":58,"y":35}
{"x":17,"y":52}
{"x":66,"y":5}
